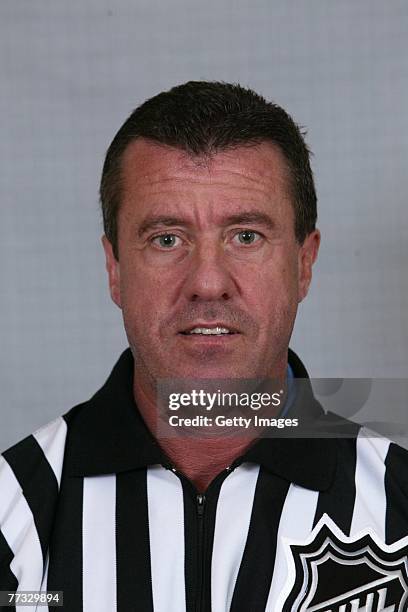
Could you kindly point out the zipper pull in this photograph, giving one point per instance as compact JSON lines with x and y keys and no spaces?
{"x":200,"y":504}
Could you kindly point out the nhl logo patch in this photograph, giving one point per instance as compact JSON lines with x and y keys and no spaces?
{"x":331,"y":572}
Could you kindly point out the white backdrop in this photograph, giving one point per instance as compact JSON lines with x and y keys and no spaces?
{"x":72,"y":71}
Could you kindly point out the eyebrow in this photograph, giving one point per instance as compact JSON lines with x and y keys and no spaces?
{"x":249,"y":217}
{"x":159,"y":221}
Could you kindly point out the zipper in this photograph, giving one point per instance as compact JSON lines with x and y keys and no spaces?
{"x":200,"y":500}
{"x":202,"y":553}
{"x":201,"y":504}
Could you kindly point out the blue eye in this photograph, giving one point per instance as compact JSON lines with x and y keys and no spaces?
{"x":247,"y":236}
{"x":166,"y":240}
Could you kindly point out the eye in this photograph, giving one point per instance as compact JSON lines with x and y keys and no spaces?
{"x":166,"y":241}
{"x":247,"y":236}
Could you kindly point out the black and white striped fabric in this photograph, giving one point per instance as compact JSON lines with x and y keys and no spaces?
{"x":90,"y":506}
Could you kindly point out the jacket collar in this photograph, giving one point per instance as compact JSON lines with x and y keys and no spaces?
{"x":108,"y":435}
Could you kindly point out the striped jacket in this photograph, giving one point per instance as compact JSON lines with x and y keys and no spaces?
{"x":90,"y":506}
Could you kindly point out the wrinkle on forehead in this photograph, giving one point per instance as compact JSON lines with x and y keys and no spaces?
{"x":147,"y":164}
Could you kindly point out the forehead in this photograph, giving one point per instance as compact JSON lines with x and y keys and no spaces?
{"x":152,"y":173}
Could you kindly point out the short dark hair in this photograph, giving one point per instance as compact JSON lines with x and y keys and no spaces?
{"x":202,"y":118}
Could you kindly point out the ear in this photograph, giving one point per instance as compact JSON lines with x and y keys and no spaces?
{"x":113,"y":270}
{"x":306,"y":258}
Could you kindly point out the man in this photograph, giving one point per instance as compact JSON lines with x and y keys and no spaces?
{"x":209,"y":211}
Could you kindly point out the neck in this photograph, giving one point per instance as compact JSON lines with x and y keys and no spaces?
{"x":199,"y":459}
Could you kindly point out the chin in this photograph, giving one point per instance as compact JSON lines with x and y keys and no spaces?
{"x":214,"y":371}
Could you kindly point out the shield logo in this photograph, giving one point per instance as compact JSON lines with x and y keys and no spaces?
{"x":331,"y":572}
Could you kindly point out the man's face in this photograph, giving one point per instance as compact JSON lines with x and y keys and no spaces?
{"x":207,"y":243}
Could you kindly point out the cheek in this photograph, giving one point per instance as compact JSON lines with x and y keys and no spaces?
{"x":144,"y":296}
{"x":275,"y":282}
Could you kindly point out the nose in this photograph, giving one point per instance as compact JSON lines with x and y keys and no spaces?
{"x":209,"y":277}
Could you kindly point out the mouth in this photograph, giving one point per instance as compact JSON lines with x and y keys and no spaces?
{"x":210,"y":330}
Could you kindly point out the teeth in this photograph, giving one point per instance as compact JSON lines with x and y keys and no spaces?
{"x":210,"y":331}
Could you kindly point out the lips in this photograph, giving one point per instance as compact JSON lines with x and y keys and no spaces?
{"x":209,"y":329}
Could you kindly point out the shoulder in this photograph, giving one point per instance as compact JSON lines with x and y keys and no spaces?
{"x":43,"y":448}
{"x":374,"y":447}
{"x":30,"y":475}
{"x":377,"y":456}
